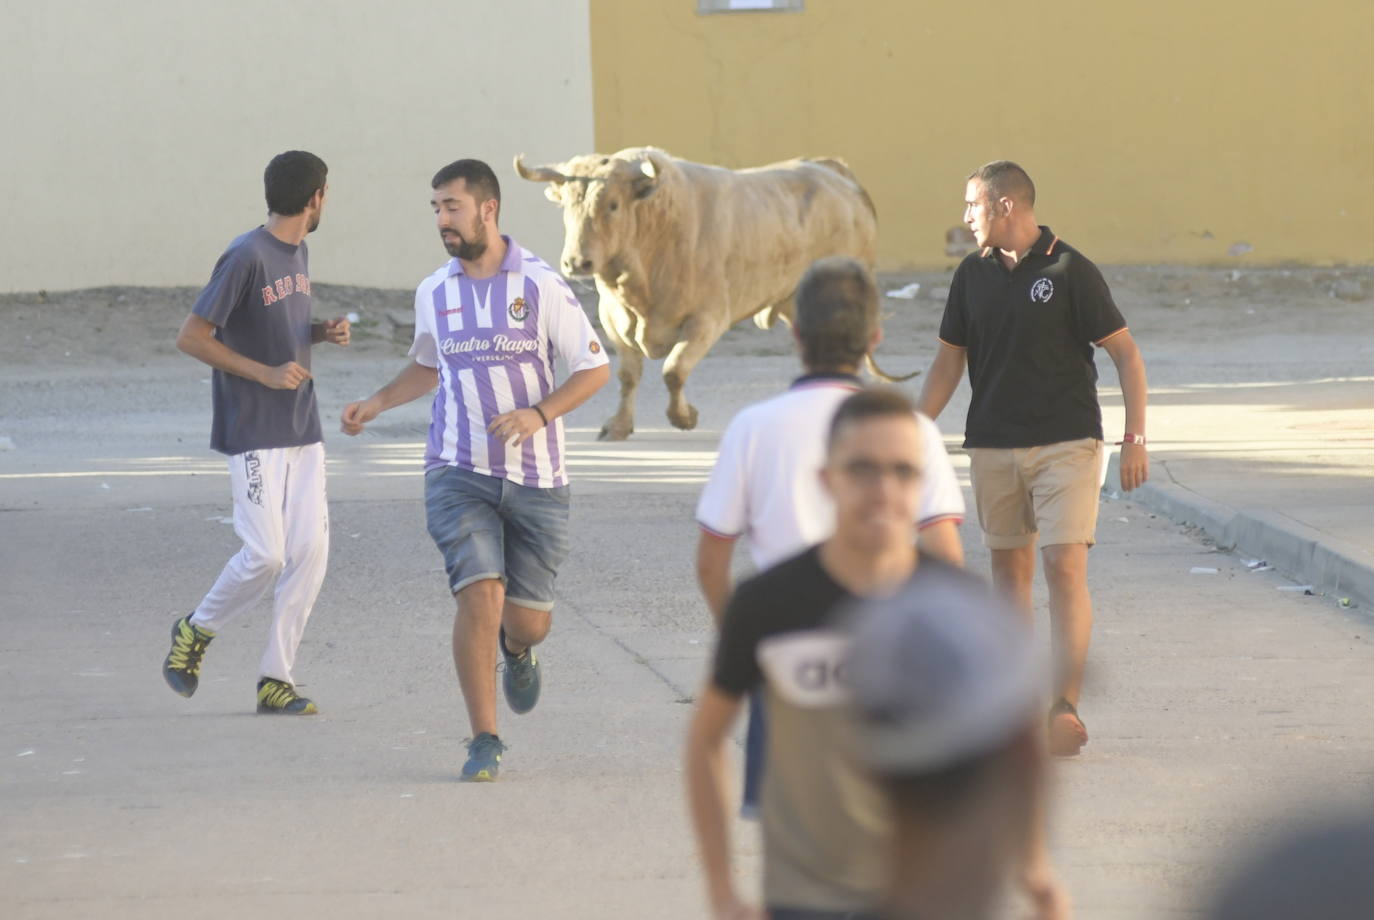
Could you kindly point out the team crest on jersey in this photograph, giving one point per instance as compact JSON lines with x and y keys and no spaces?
{"x":1042,"y":290}
{"x":595,"y":347}
{"x":519,"y":309}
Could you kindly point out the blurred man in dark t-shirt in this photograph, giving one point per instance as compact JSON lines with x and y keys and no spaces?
{"x":826,"y":825}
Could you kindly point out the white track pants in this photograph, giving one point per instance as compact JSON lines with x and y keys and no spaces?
{"x":282,"y":517}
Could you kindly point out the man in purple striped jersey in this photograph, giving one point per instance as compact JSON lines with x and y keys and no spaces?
{"x":488,"y":325}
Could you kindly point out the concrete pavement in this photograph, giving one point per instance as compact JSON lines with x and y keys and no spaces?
{"x":1283,"y":472}
{"x":1215,"y":702}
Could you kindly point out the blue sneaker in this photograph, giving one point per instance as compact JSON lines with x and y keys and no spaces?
{"x":484,"y":759}
{"x":277,"y":697}
{"x":182,"y":665}
{"x":519,"y":677}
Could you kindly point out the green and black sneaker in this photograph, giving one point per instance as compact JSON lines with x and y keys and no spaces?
{"x":182,"y":665}
{"x":277,"y":697}
{"x":520,"y":677}
{"x":484,"y":759}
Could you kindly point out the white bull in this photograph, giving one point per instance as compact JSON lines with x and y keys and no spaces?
{"x":681,"y":251}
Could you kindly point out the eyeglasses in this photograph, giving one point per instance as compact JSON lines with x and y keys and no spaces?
{"x":869,"y":472}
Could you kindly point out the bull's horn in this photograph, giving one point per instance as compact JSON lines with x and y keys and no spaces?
{"x":538,"y":173}
{"x":884,"y":375}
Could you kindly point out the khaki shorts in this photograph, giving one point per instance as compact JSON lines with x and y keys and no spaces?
{"x":1051,"y":491}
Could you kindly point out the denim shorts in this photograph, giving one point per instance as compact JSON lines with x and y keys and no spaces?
{"x":488,"y":527}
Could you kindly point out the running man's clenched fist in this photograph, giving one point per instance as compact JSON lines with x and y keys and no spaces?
{"x":288,"y":376}
{"x":337,"y":331}
{"x":358,"y":414}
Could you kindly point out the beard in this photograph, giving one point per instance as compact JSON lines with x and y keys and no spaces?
{"x":314,"y":223}
{"x":470,"y":247}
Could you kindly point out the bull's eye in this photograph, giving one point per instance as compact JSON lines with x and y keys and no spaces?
{"x":615,"y":206}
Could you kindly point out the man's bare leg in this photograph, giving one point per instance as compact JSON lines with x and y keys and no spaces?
{"x":1071,"y":613}
{"x":1071,"y":618}
{"x":1013,"y":570}
{"x":524,"y":626}
{"x":474,"y":650}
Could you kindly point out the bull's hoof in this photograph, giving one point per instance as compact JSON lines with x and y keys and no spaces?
{"x":684,"y":420}
{"x":615,"y":431}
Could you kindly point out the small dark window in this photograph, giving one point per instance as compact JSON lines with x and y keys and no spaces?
{"x":749,"y":6}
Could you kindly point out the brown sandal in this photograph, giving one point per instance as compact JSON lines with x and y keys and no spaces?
{"x":1068,"y":734}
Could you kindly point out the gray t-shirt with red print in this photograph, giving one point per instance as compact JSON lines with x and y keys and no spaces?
{"x":259,"y":297}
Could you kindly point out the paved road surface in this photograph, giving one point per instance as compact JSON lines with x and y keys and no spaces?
{"x":1215,"y":701}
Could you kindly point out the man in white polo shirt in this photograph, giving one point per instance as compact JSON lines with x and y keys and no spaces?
{"x":766,"y":482}
{"x":488,"y":325}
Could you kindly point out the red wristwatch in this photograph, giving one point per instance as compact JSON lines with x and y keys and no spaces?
{"x":1129,"y":438}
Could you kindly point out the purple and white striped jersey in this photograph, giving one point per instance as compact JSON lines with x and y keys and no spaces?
{"x":494,"y":341}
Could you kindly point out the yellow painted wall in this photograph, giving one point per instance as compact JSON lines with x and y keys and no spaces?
{"x":1159,"y":131}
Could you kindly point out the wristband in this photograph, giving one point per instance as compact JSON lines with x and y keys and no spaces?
{"x":1129,"y":438}
{"x":536,"y":408}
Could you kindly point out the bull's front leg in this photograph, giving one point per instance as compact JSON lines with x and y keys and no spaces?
{"x":699,"y":334}
{"x":629,"y":368}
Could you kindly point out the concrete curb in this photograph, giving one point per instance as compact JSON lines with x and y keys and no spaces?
{"x":1331,"y":565}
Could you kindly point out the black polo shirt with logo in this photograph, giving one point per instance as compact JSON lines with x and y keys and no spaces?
{"x":1030,"y":332}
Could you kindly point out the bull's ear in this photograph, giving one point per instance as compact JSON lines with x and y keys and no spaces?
{"x":551,"y":192}
{"x":645,"y":182}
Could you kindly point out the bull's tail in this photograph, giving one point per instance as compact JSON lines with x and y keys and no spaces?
{"x":881,"y":374}
{"x":841,"y":167}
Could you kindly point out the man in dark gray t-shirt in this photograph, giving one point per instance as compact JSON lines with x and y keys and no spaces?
{"x":252,"y":324}
{"x":259,"y":300}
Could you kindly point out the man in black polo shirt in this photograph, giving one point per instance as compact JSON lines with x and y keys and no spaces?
{"x":1024,"y":312}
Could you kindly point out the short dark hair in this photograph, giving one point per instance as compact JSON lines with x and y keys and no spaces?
{"x":1005,"y":179}
{"x":870,"y":403}
{"x":837,"y":313}
{"x":291,"y":180}
{"x":477,"y":177}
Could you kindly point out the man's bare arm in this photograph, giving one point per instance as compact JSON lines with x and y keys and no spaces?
{"x":705,"y":766}
{"x":336,"y":331}
{"x":414,"y":381}
{"x":713,"y":571}
{"x":1130,"y":370}
{"x":941,"y":539}
{"x":941,"y":380}
{"x":197,"y":339}
{"x":519,"y":425}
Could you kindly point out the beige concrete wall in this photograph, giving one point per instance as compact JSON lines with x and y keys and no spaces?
{"x":135,"y":133}
{"x":1163,"y":131}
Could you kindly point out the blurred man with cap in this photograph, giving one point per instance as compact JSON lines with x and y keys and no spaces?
{"x":827,"y":830}
{"x":946,"y":701}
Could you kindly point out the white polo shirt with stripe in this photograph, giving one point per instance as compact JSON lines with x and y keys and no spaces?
{"x":766,"y":481}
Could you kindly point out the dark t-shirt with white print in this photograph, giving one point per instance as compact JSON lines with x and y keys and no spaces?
{"x":825,"y":821}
